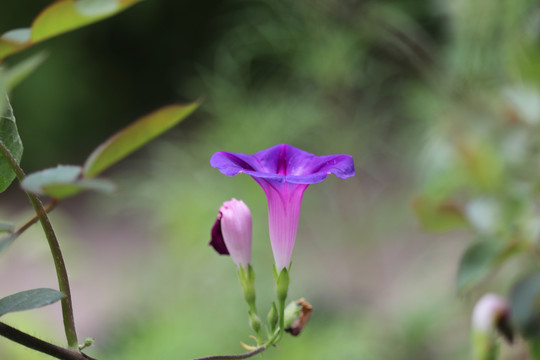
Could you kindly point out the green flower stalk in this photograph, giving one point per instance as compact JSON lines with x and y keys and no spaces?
{"x":282,"y":288}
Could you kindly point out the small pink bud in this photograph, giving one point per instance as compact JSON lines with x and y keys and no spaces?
{"x":231,"y":234}
{"x":491,"y":314}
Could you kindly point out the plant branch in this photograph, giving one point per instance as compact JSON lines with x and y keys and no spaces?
{"x":59,"y":264}
{"x":47,"y":209}
{"x":39,"y":345}
{"x":254,"y":352}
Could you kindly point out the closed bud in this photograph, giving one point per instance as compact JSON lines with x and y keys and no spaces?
{"x":273,"y":317}
{"x":490,"y":316}
{"x":247,"y":280}
{"x":231,"y":233}
{"x":254,"y":322}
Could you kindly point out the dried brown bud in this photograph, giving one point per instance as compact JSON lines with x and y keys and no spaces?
{"x":302,"y":319}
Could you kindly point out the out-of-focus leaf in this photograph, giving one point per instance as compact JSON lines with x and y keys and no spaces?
{"x":96,"y":7}
{"x":63,"y":181}
{"x":525,"y":306}
{"x":438,"y":215}
{"x":30,"y":299}
{"x":484,"y":215}
{"x":6,"y":240}
{"x":60,"y":17}
{"x":135,"y":136}
{"x":13,"y":41}
{"x":15,"y":74}
{"x":6,"y":227}
{"x":479,"y":259}
{"x":482,"y":164}
{"x":65,"y":15}
{"x":9,"y":136}
{"x":3,"y":94}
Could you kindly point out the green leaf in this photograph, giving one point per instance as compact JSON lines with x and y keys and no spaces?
{"x":7,"y":240}
{"x":30,"y":299}
{"x":479,"y":259}
{"x":525,"y":306}
{"x":63,"y":181}
{"x":15,"y":74}
{"x":435,"y":215}
{"x":13,"y":41}
{"x":135,"y":136}
{"x":6,"y":227}
{"x":9,"y":135}
{"x":60,"y":17}
{"x":65,"y":15}
{"x":96,"y":7}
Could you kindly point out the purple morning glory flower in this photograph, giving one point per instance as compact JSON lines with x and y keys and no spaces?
{"x":231,"y":233}
{"x":284,"y":172}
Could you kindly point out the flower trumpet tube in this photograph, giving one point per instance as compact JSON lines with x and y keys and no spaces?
{"x":284,"y":172}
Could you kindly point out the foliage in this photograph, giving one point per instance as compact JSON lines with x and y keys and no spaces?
{"x":455,"y":83}
{"x":63,"y":181}
{"x":482,"y":149}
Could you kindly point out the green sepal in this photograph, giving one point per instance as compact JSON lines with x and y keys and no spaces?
{"x":273,"y":317}
{"x":247,"y":281}
{"x":282,"y":285}
{"x":255,"y":323}
{"x":275,"y":273}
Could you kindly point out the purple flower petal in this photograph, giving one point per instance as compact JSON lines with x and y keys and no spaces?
{"x":284,"y":172}
{"x":284,"y":163}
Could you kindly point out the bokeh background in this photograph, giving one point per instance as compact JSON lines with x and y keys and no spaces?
{"x":375,"y":79}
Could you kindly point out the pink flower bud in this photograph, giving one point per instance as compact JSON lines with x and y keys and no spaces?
{"x":490,"y":315}
{"x":231,"y":233}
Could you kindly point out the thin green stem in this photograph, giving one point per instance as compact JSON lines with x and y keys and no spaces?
{"x":59,"y":264}
{"x":47,"y":208}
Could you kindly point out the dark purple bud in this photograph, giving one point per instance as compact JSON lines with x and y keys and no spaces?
{"x":216,"y":240}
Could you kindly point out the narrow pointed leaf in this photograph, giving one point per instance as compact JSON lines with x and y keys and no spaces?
{"x":63,"y":181}
{"x":135,"y":136}
{"x":9,"y":136}
{"x":15,"y":74}
{"x":65,"y":15}
{"x":60,"y":17}
{"x":30,"y":299}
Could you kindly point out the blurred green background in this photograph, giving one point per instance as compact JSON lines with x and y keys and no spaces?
{"x":375,"y":79}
